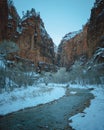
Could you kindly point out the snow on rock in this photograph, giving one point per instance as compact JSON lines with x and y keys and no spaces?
{"x":73,"y":92}
{"x":97,"y":3}
{"x":19,"y":30}
{"x":93,"y":117}
{"x":99,"y":52}
{"x":10,"y":17}
{"x":71,"y":35}
{"x":30,"y":14}
{"x":44,"y":32}
{"x":28,"y":97}
{"x":2,"y":64}
{"x":10,"y":3}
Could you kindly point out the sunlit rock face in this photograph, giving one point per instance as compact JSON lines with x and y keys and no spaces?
{"x":3,"y":19}
{"x":72,"y":47}
{"x":28,"y":32}
{"x":96,"y":27}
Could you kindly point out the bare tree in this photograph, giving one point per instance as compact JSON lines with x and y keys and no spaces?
{"x":8,"y":47}
{"x":5,"y":49}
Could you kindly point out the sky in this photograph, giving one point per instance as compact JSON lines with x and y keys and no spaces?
{"x":59,"y":16}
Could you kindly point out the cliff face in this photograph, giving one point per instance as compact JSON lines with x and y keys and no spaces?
{"x":3,"y":19}
{"x":13,"y":21}
{"x":95,"y":34}
{"x":34,"y":41}
{"x":87,"y":42}
{"x":72,"y":47}
{"x":29,"y":33}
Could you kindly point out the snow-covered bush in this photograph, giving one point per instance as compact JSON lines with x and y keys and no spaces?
{"x":90,"y":73}
{"x":11,"y":75}
{"x":7,"y":47}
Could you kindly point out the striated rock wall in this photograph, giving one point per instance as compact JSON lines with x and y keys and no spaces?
{"x":29,"y":33}
{"x":84,"y":43}
{"x":13,"y":21}
{"x":34,"y":41}
{"x":3,"y":19}
{"x":72,"y":47}
{"x":95,"y":34}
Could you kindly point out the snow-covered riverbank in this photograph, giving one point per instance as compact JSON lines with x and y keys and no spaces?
{"x":93,"y":117}
{"x":53,"y":115}
{"x":90,"y":119}
{"x":30,"y":96}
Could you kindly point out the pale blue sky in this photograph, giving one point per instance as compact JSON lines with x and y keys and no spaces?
{"x":59,"y":16}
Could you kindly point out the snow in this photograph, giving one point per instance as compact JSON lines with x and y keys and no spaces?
{"x":20,"y":98}
{"x":10,"y":17}
{"x":29,"y":14}
{"x":44,"y":32}
{"x":96,"y":4}
{"x":93,"y":117}
{"x":19,"y":30}
{"x":28,"y":97}
{"x":2,"y":64}
{"x":99,"y":52}
{"x":73,"y":92}
{"x":10,"y":3}
{"x":71,"y":35}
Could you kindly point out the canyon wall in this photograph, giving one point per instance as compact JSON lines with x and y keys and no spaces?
{"x":83,"y":44}
{"x":3,"y":19}
{"x":72,"y":47}
{"x":28,"y":33}
{"x":35,"y":44}
{"x":95,"y":35}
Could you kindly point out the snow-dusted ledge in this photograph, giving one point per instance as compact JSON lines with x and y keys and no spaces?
{"x":28,"y":97}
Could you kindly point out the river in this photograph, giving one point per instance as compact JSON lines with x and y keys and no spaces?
{"x":50,"y":116}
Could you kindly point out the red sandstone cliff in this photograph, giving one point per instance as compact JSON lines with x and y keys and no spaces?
{"x":33,"y":39}
{"x":91,"y":38}
{"x":36,"y":45}
{"x":95,"y":35}
{"x":73,"y":45}
{"x":29,"y":33}
{"x":3,"y":19}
